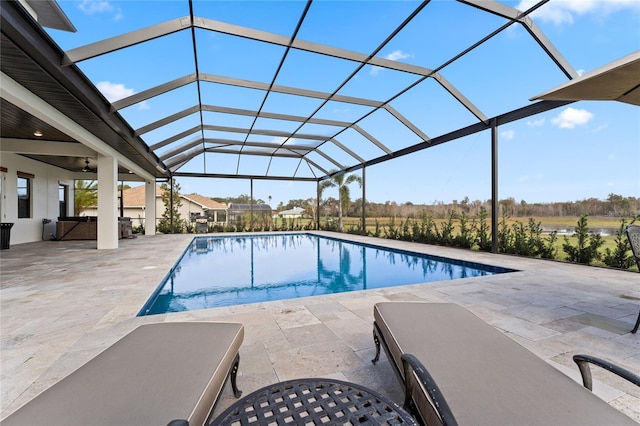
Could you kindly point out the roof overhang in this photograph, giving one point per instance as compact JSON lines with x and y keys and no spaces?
{"x":48,"y":14}
{"x":39,"y":93}
{"x":616,"y":81}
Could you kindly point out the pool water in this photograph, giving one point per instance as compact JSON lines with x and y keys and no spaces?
{"x":234,"y":270}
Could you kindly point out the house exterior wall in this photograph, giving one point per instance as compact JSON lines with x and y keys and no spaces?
{"x":138,"y":214}
{"x":44,"y":197}
{"x":187,"y":209}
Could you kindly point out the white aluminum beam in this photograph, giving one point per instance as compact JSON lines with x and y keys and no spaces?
{"x":180,"y":149}
{"x":263,"y":36}
{"x":260,"y":144}
{"x":153,"y":92}
{"x":125,"y":40}
{"x":406,"y":122}
{"x":288,"y":90}
{"x":347,"y":150}
{"x":460,"y":97}
{"x":516,"y":15}
{"x":175,"y":138}
{"x":372,"y":139}
{"x":166,"y":120}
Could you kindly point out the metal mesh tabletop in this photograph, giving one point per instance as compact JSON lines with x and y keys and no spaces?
{"x":314,"y":402}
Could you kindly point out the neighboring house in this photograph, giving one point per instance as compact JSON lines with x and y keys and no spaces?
{"x":193,"y":205}
{"x":293,"y":213}
{"x":215,"y":211}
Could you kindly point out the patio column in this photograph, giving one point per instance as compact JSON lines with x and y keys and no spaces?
{"x":150,"y":208}
{"x":107,"y":207}
{"x":494,"y":186}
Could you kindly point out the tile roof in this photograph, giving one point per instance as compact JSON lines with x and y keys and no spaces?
{"x":205,"y":202}
{"x":134,"y":197}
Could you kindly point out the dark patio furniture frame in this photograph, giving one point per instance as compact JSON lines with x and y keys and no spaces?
{"x":314,"y":401}
{"x":583,"y":362}
{"x":633,"y":233}
{"x":426,"y":390}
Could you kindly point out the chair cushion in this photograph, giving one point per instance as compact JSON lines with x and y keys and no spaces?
{"x":155,"y":374}
{"x":486,"y":377}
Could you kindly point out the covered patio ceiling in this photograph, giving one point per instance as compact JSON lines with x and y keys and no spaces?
{"x":282,"y":93}
{"x":616,"y":81}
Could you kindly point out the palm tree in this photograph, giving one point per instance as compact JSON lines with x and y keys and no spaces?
{"x":86,"y":195}
{"x":342,"y":183}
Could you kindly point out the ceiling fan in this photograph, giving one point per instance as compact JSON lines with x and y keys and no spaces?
{"x":86,"y":167}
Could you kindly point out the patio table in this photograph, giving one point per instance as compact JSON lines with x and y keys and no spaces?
{"x":314,"y":401}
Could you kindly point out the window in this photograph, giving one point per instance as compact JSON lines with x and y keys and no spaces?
{"x":63,"y":199}
{"x":24,"y":195}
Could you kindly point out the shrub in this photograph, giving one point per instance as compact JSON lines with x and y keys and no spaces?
{"x":377,"y":231}
{"x":406,"y":233}
{"x":446,"y":236}
{"x":464,"y":239}
{"x":391,"y":231}
{"x":519,"y":240}
{"x":621,"y":256}
{"x":483,"y":237}
{"x":586,"y":250}
{"x":505,"y":237}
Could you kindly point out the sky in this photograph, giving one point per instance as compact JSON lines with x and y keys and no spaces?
{"x":583,"y":150}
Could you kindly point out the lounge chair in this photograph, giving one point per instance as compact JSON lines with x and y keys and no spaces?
{"x":633,"y":233}
{"x":457,"y":369}
{"x":155,"y":374}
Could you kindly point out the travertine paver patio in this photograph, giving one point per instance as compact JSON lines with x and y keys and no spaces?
{"x":64,"y":302}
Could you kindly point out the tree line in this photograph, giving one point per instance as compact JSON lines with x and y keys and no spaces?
{"x":614,"y":206}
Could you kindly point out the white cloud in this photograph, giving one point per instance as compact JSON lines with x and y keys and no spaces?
{"x":95,"y":6}
{"x":570,"y":118}
{"x":144,"y":105}
{"x":114,"y":91}
{"x":580,"y":71}
{"x":90,"y":7}
{"x":508,"y":134}
{"x":536,"y":123}
{"x":563,"y":11}
{"x":396,"y":55}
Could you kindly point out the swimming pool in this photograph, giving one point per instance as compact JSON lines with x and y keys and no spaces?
{"x":234,"y":270}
